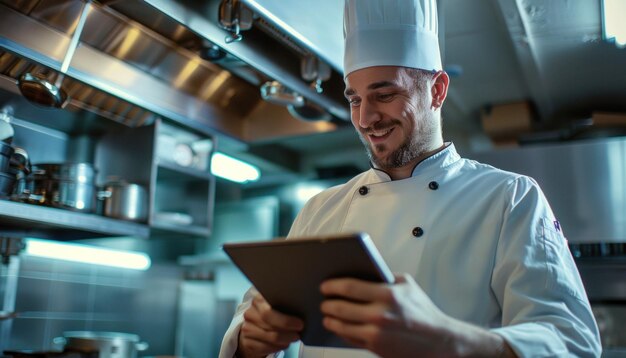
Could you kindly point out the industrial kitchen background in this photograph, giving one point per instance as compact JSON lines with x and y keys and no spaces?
{"x":119,"y":121}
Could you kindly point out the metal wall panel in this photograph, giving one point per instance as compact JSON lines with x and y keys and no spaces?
{"x":55,"y":296}
{"x":583,"y":181}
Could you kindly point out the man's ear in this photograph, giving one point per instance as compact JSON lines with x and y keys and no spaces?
{"x":439,"y":89}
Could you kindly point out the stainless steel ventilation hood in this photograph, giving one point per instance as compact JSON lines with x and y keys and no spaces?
{"x":137,"y":59}
{"x":267,"y":46}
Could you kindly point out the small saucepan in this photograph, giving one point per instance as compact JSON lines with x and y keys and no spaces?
{"x":125,"y":201}
{"x":63,"y":185}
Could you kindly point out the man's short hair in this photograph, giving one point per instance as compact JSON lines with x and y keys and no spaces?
{"x":422,"y":77}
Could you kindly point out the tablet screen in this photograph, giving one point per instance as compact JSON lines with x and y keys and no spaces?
{"x":288,"y":274}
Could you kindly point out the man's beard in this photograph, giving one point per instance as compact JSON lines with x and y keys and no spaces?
{"x":414,"y":144}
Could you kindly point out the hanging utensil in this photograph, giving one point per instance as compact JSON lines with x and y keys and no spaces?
{"x":234,"y":17}
{"x":309,"y":112}
{"x":276,"y":93}
{"x":37,"y":89}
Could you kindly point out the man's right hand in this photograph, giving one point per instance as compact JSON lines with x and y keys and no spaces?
{"x":265,"y":331}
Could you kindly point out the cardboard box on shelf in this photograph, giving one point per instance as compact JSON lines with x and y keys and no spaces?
{"x":604,"y":119}
{"x":505,"y":122}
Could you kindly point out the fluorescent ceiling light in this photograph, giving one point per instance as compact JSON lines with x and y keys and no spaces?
{"x":233,"y":169}
{"x":87,"y":254}
{"x":614,"y":21}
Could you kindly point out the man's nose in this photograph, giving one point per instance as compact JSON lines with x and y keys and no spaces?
{"x":368,"y":114}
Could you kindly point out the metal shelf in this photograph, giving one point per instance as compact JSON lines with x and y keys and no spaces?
{"x":214,"y":259}
{"x":22,"y":219}
{"x":180,"y":230}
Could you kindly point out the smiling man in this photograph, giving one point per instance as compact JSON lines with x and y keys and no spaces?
{"x":483,"y":267}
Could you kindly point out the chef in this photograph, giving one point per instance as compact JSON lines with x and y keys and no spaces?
{"x":483,"y":267}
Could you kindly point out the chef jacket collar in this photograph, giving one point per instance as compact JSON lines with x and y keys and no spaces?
{"x":439,"y":160}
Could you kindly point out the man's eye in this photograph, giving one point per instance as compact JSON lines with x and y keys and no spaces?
{"x":354,"y":102}
{"x":385,"y":96}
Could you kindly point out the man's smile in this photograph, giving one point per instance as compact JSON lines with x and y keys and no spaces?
{"x":379,"y":135}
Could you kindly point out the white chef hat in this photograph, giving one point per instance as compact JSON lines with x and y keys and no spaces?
{"x":390,"y":33}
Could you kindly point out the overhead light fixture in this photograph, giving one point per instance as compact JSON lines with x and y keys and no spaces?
{"x":87,"y":254}
{"x":236,"y":170}
{"x":614,"y":21}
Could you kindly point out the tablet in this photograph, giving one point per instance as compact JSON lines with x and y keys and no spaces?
{"x":288,"y":274}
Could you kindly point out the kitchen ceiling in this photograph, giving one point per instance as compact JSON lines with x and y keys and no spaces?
{"x":502,"y":51}
{"x":496,"y":51}
{"x":549,"y":53}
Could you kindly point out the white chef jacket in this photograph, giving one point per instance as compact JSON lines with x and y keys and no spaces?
{"x":481,"y":242}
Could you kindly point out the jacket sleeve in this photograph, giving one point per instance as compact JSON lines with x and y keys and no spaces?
{"x":545,"y":310}
{"x":231,"y":337}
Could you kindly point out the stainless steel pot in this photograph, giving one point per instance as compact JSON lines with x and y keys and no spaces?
{"x":6,"y":150}
{"x":33,"y":187}
{"x":108,"y":344}
{"x":79,"y":172}
{"x":126,"y":201}
{"x":7,"y":181}
{"x":68,"y":186}
{"x":68,"y":194}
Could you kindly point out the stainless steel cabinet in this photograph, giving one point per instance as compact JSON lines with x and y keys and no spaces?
{"x":183,"y":184}
{"x":179,"y":182}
